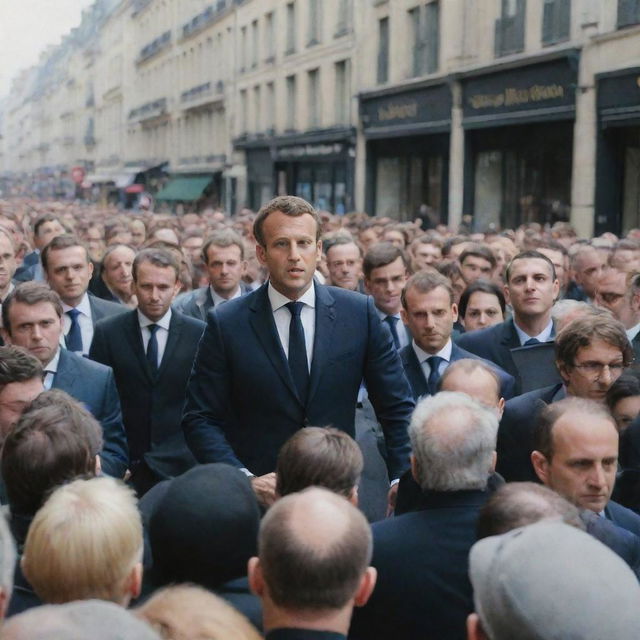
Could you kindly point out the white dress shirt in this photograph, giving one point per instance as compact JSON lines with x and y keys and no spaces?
{"x":217,"y":299}
{"x":162,"y":334}
{"x":84,"y":320}
{"x":633,"y":332}
{"x":401,"y":330}
{"x":423,"y":356}
{"x":50,"y":371}
{"x":543,"y":336}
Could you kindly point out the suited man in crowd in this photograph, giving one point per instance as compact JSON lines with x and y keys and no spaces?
{"x":531,"y":288}
{"x":429,"y":312}
{"x":223,"y":256}
{"x":151,"y":350}
{"x":344,"y":262}
{"x":309,"y":584}
{"x":591,"y":353}
{"x":7,"y":266}
{"x":290,"y":354}
{"x":115,"y":280}
{"x":423,"y":590}
{"x":68,"y":269}
{"x":45,"y":229}
{"x":587,"y":265}
{"x":32,"y":318}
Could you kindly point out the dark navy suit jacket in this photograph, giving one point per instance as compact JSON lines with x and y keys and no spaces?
{"x":199,"y":302}
{"x":94,"y":386}
{"x":242,"y":404}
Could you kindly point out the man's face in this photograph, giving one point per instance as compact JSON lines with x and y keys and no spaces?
{"x":68,"y":273}
{"x":588,"y":377}
{"x":584,"y":462}
{"x":47,"y":231}
{"x":612,"y":294}
{"x":155,"y":287}
{"x":193,"y":247}
{"x":138,"y":233}
{"x":36,"y":328}
{"x":385,"y":284}
{"x":588,"y":271}
{"x":531,"y":288}
{"x":483,"y":310}
{"x":426,"y":255}
{"x":7,"y":262}
{"x":95,"y":243}
{"x":395,"y":237}
{"x":225,"y":267}
{"x":474,"y":267}
{"x":368,"y":237}
{"x":117,"y":271}
{"x":558,"y":259}
{"x":345,"y":266}
{"x":291,"y":252}
{"x":15,"y":397}
{"x":430,"y":317}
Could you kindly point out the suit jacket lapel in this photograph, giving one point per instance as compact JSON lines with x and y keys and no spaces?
{"x":325,"y":324}
{"x":510,"y":335}
{"x":175,"y":329}
{"x":134,"y":336}
{"x":415,"y":373}
{"x":65,"y":376}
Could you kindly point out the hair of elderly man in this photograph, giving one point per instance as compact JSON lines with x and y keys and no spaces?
{"x":16,"y":365}
{"x":314,"y":547}
{"x":321,"y":457}
{"x":84,"y":542}
{"x":454,"y":441}
{"x":517,"y":504}
{"x":289,"y":206}
{"x":183,"y":612}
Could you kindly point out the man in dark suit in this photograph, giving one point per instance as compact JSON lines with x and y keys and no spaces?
{"x":114,"y":283}
{"x":309,"y":584}
{"x":151,"y":351}
{"x":290,"y":354}
{"x":429,"y":312}
{"x":531,"y":289}
{"x":223,"y":256}
{"x":423,"y":590}
{"x":32,"y":317}
{"x":344,"y":262}
{"x":68,"y":269}
{"x":576,"y":454}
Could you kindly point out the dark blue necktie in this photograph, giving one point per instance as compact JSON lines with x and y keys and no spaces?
{"x":298,"y":351}
{"x":531,"y":341}
{"x":73,"y":339}
{"x":434,"y":374}
{"x":152,"y":348}
{"x":392,"y":321}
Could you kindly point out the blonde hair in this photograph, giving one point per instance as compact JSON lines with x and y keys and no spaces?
{"x":84,"y":542}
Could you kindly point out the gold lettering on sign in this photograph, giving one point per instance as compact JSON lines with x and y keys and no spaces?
{"x":398,"y":111}
{"x":514,"y":97}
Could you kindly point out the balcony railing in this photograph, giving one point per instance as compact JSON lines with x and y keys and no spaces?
{"x":149,"y":110}
{"x":154,"y":47}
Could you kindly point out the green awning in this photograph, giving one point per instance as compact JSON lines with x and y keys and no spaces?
{"x":185,"y":188}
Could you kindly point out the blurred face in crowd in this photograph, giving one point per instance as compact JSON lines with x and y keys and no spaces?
{"x":345,"y":266}
{"x":95,"y":243}
{"x":368,"y":237}
{"x":15,"y":397}
{"x":612,"y":294}
{"x":193,"y":248}
{"x":385,"y":284}
{"x":68,"y":273}
{"x":36,"y":328}
{"x":426,"y":255}
{"x":225,"y":267}
{"x":117,"y":271}
{"x":47,"y":231}
{"x":430,"y":317}
{"x":155,"y":288}
{"x":483,"y":310}
{"x":584,"y":462}
{"x":290,"y":253}
{"x":588,"y":270}
{"x":596,"y":367}
{"x":166,"y":235}
{"x":625,"y":411}
{"x":395,"y":237}
{"x":138,"y":233}
{"x":475,"y":267}
{"x":531,"y":289}
{"x":558,"y":260}
{"x":7,"y":263}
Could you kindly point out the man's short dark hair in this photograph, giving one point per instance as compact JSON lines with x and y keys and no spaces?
{"x":314,"y":456}
{"x":425,"y":282}
{"x":158,"y":257}
{"x":380,"y":255}
{"x":290,"y":206}
{"x":58,"y":243}
{"x":16,"y":365}
{"x":479,"y":251}
{"x":528,"y":255}
{"x":45,"y":217}
{"x":222,"y":238}
{"x":626,"y":386}
{"x":482,"y":286}
{"x":30,"y":293}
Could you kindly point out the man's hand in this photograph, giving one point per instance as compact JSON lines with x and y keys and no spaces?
{"x":265,"y":488}
{"x":391,"y":499}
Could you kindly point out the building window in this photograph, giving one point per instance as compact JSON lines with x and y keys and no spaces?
{"x":269,"y":111}
{"x":383,"y":50}
{"x":243,"y":111}
{"x":269,"y":38}
{"x":509,"y":28}
{"x":342,"y":92}
{"x":628,"y":12}
{"x":314,"y":98}
{"x":256,"y":108}
{"x":424,"y":30}
{"x":291,"y":103}
{"x":255,"y":44}
{"x":243,"y":49}
{"x":315,"y":27}
{"x":556,"y":21}
{"x":343,"y":21}
{"x":291,"y":28}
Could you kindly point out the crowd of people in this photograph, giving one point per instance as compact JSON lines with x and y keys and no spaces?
{"x":296,"y":425}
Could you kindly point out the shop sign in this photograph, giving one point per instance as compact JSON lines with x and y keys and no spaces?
{"x":619,"y":89}
{"x":298,"y":151}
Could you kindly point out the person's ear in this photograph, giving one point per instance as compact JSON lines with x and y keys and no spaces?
{"x":133,"y":584}
{"x":256,"y":580}
{"x":454,"y":311}
{"x":403,"y":316}
{"x":353,"y":496}
{"x":261,"y":254}
{"x":366,"y":586}
{"x":494,"y":459}
{"x":415,"y":468}
{"x":540,"y":466}
{"x":474,"y":628}
{"x":5,"y":336}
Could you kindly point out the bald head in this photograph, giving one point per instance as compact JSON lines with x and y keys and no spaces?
{"x":476,"y":379}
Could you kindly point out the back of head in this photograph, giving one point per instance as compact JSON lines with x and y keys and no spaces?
{"x":314,"y":456}
{"x":550,"y":581}
{"x":205,"y":527}
{"x":314,"y":547}
{"x":16,"y":365}
{"x":453,"y":439}
{"x":84,"y":543}
{"x":185,"y":612}
{"x":93,"y":619}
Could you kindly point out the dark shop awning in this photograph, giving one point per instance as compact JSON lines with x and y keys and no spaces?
{"x":185,"y":188}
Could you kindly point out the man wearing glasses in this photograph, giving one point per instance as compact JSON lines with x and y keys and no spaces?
{"x":591,"y":353}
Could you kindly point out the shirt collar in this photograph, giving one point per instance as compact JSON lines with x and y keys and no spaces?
{"x":543,"y":336}
{"x":53,"y":365}
{"x":444,"y":353}
{"x":633,"y":332}
{"x":164,"y":322}
{"x":218,"y":299}
{"x":277,"y":300}
{"x":84,"y":307}
{"x":382,"y":315}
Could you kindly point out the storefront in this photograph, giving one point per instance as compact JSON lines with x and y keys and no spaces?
{"x":407,"y":142}
{"x":618,"y":151}
{"x":518,"y":126}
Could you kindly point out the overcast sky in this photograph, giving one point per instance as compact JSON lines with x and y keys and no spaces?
{"x":27,"y":27}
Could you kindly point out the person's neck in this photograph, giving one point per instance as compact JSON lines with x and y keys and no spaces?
{"x":5,"y":292}
{"x":533,"y":325}
{"x":333,"y":620}
{"x":227,"y":295}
